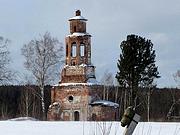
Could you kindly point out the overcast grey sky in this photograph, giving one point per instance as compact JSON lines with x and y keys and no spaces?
{"x":109,"y":22}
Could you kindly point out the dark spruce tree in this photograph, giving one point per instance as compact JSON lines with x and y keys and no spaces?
{"x":136,"y":66}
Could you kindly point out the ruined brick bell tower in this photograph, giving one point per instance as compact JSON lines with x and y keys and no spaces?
{"x":77,"y":96}
{"x":78,"y":86}
{"x":78,"y":52}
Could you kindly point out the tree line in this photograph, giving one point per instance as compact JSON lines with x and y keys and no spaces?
{"x":22,"y":101}
{"x":25,"y":101}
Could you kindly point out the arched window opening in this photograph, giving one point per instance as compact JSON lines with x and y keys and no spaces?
{"x":93,"y":117}
{"x":76,"y":116}
{"x":115,"y":116}
{"x":70,"y":98}
{"x":66,"y":115}
{"x":82,"y":50}
{"x":73,"y":63}
{"x":74,"y":28}
{"x":73,"y":51}
{"x":66,"y":50}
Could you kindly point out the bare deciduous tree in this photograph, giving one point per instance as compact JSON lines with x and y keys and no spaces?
{"x":6,"y":74}
{"x":177,"y":78}
{"x":107,"y":80}
{"x":25,"y":102}
{"x":146,"y":98}
{"x":175,"y":100}
{"x":43,"y":57}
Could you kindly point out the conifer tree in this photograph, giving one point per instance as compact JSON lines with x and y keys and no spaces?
{"x":136,"y":65}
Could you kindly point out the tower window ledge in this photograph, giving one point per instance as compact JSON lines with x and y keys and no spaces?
{"x":80,"y":84}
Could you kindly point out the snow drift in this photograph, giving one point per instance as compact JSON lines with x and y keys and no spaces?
{"x":84,"y":128}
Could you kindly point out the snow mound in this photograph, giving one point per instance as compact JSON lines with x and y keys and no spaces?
{"x":23,"y":119}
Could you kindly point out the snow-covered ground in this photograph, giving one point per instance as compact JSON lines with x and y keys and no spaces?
{"x":84,"y":128}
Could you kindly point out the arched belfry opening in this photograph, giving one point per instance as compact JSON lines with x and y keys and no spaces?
{"x":74,"y":50}
{"x":82,"y":49}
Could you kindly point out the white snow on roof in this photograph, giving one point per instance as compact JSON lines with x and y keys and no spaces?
{"x":78,"y":34}
{"x":56,"y":85}
{"x":93,"y":81}
{"x":105,"y":103}
{"x":78,"y":18}
{"x":83,"y":65}
{"x":56,"y":103}
{"x":76,"y":84}
{"x":66,"y":66}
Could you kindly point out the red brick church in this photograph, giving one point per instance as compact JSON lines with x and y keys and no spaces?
{"x":78,"y":96}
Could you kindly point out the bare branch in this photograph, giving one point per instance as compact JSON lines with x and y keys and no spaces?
{"x":6,"y":75}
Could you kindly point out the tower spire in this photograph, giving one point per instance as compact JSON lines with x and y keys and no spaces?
{"x":78,"y":13}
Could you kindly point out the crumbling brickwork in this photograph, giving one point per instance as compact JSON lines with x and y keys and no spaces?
{"x":75,"y":98}
{"x":104,"y":113}
{"x":54,"y":112}
{"x":77,"y":74}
